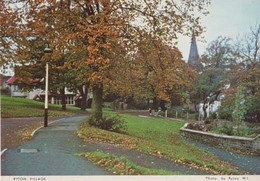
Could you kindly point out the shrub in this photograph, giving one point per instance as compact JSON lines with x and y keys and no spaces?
{"x":5,"y":91}
{"x":194,"y":116}
{"x":227,"y":129}
{"x":253,"y":111}
{"x":137,"y":103}
{"x":226,"y":109}
{"x":240,"y":108}
{"x":113,"y":123}
{"x":213,"y":116}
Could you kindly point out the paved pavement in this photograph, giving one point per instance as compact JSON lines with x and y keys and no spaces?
{"x":248,"y":163}
{"x":52,"y":152}
{"x":143,"y":159}
{"x":55,"y":147}
{"x":13,"y":129}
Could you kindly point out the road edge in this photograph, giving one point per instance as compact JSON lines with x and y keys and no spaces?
{"x":34,"y":131}
{"x":4,"y":150}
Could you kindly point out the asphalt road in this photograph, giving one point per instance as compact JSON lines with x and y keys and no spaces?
{"x":12,"y":129}
{"x":248,"y":163}
{"x":51,"y":153}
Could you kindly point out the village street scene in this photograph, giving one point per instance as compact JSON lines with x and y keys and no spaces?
{"x":116,"y":88}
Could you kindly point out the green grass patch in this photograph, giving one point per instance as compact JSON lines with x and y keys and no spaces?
{"x":121,"y":165}
{"x":158,"y":137}
{"x":21,"y":107}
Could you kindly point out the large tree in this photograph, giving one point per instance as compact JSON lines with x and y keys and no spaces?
{"x":102,"y":26}
{"x":246,"y":72}
{"x":161,"y":72}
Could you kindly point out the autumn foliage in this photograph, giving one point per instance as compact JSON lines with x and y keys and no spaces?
{"x":121,"y":46}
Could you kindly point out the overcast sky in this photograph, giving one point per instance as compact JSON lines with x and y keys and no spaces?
{"x":226,"y":18}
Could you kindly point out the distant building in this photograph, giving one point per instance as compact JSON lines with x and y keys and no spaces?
{"x":37,"y":94}
{"x":195,"y":64}
{"x":193,"y":60}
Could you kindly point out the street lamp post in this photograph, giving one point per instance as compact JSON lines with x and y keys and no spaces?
{"x":47,"y":51}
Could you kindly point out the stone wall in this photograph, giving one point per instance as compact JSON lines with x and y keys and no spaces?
{"x":234,"y":142}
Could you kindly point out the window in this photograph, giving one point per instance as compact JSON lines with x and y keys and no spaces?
{"x":16,"y":88}
{"x":69,"y":100}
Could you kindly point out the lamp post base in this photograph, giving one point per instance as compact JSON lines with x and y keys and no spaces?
{"x":45,"y":117}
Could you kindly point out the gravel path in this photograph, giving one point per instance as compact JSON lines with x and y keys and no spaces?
{"x":248,"y":163}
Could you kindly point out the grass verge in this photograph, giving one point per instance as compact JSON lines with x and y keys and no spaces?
{"x":121,"y":165}
{"x":158,"y":137}
{"x":21,"y":107}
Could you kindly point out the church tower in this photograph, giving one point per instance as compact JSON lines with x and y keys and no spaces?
{"x":193,"y":60}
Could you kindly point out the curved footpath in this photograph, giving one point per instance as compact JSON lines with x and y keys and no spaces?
{"x":13,"y":129}
{"x":248,"y":163}
{"x":52,"y":152}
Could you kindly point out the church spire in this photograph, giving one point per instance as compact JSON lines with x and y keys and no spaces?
{"x":193,"y":60}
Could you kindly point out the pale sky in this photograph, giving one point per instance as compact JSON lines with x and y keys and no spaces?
{"x":227,"y":18}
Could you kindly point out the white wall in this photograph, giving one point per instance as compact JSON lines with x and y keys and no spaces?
{"x":16,"y":92}
{"x":214,"y":107}
{"x":34,"y":92}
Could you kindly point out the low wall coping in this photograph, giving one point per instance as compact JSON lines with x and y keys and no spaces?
{"x":218,"y":135}
{"x":257,"y":137}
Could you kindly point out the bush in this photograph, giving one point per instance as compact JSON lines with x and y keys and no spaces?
{"x":112,"y":123}
{"x":134,"y":103}
{"x":194,"y":116}
{"x":253,"y":111}
{"x":213,"y":116}
{"x":5,"y":91}
{"x":226,"y":109}
{"x":252,"y":103}
{"x":226,"y":129}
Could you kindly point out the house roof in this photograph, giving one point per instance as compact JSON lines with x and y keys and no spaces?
{"x":11,"y":81}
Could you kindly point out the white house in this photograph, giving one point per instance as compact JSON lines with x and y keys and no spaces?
{"x":38,"y":94}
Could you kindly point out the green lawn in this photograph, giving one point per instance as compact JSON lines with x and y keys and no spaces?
{"x":159,"y":137}
{"x":21,"y":107}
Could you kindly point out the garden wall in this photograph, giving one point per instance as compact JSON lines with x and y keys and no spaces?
{"x":234,"y":142}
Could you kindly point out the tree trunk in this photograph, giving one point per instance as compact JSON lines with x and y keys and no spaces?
{"x":162,"y":105}
{"x":84,"y":93}
{"x":155,"y":104}
{"x":148,"y":102}
{"x":63,"y":98}
{"x":97,"y":102}
{"x":195,"y":107}
{"x":205,"y":110}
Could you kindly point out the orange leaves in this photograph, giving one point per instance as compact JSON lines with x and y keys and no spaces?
{"x":92,"y":50}
{"x":99,"y":40}
{"x":160,"y":69}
